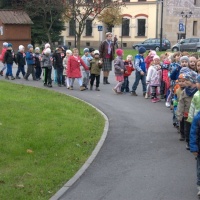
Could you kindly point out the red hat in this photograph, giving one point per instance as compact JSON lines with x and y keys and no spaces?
{"x":119,"y":52}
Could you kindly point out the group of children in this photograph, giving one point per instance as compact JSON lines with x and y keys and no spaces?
{"x":174,"y":77}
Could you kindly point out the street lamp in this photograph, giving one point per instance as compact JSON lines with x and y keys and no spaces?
{"x":161,"y":26}
{"x":121,"y":32}
{"x":186,"y":15}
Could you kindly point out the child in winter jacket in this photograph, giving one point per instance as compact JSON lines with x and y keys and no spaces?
{"x":4,"y":49}
{"x":195,"y":146}
{"x":9,"y":58}
{"x":185,"y":101}
{"x":154,"y":78}
{"x":30,"y":59}
{"x":46,"y":64}
{"x":65,"y":60}
{"x":95,"y":70}
{"x":73,"y":69}
{"x":128,"y":64}
{"x":149,"y":58}
{"x":119,"y":71}
{"x":21,"y":61}
{"x":38,"y":69}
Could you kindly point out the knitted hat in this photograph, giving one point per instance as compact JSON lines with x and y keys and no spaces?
{"x":96,"y":52}
{"x":9,"y":45}
{"x":141,"y":50}
{"x":198,"y":79}
{"x":91,"y":49}
{"x":21,"y":47}
{"x":191,"y":76}
{"x":156,"y":57}
{"x":47,"y":51}
{"x":30,"y":46}
{"x":47,"y":45}
{"x":5,"y":44}
{"x":85,"y":50}
{"x":153,"y":53}
{"x":37,"y":49}
{"x":69,"y":51}
{"x":119,"y":52}
{"x":184,"y":58}
{"x":184,"y":70}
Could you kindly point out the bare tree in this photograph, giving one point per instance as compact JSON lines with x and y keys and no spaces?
{"x":80,"y":10}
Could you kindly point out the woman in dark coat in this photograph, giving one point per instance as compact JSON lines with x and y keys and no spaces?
{"x":107,"y":51}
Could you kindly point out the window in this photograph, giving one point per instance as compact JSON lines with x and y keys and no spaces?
{"x":194,"y":40}
{"x":141,"y":0}
{"x":195,"y":28}
{"x":125,"y":27}
{"x":71,"y":27}
{"x":88,"y":28}
{"x":195,"y":2}
{"x":88,"y":1}
{"x":141,"y":27}
{"x":125,"y":0}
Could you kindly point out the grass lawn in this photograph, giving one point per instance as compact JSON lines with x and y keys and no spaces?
{"x":45,"y":137}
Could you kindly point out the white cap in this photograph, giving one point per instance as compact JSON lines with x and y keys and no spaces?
{"x":69,"y":51}
{"x":37,"y":49}
{"x":47,"y":45}
{"x":47,"y":51}
{"x":21,"y":47}
{"x":96,"y":52}
{"x":5,"y":44}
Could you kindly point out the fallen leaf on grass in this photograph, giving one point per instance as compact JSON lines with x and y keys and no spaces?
{"x":29,"y":151}
{"x":50,"y":192}
{"x":19,"y":186}
{"x":0,"y":124}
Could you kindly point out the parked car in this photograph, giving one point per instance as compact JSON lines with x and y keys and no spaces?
{"x":154,"y":44}
{"x":189,"y":44}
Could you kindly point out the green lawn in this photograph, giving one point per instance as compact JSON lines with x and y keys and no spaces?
{"x":45,"y":137}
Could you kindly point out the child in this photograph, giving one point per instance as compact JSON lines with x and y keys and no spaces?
{"x":149,"y":58}
{"x":154,"y":75}
{"x":195,"y":146}
{"x":21,"y":61}
{"x":46,"y":64}
{"x":119,"y":71}
{"x":65,"y":60}
{"x":140,"y":73}
{"x":177,"y":94}
{"x":86,"y":74}
{"x":9,"y":58}
{"x":73,"y":69}
{"x":198,"y":66}
{"x":192,"y":63}
{"x":95,"y":70}
{"x":128,"y":70}
{"x":195,"y":104}
{"x":58,"y":57}
{"x":38,"y":69}
{"x":30,"y":59}
{"x":4,"y":49}
{"x":185,"y":101}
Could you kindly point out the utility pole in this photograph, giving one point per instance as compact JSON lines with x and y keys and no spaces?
{"x":161,"y":26}
{"x":186,"y":16}
{"x":74,"y":19}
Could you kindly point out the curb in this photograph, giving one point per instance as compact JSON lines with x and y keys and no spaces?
{"x":88,"y":162}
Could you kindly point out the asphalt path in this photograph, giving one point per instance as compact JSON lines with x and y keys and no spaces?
{"x":141,"y":159}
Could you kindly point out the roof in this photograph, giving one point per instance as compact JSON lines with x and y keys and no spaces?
{"x":14,"y":17}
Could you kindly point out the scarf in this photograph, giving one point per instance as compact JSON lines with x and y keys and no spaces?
{"x":109,"y":46}
{"x":190,"y":91}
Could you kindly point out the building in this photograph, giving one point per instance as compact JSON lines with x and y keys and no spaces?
{"x":139,"y":17}
{"x":15,"y":28}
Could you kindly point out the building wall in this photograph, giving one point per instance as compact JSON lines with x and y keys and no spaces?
{"x":134,"y":10}
{"x":16,"y":34}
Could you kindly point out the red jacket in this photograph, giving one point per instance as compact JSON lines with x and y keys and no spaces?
{"x":73,"y":67}
{"x":3,"y":54}
{"x":129,"y":68}
{"x":148,"y":61}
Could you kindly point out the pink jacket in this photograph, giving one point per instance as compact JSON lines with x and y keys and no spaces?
{"x":154,"y":75}
{"x":3,"y":54}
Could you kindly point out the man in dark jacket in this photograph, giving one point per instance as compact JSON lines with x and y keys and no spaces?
{"x":58,"y":57}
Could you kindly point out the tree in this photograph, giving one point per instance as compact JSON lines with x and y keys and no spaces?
{"x":79,"y":11}
{"x":111,"y":17}
{"x":47,"y":16}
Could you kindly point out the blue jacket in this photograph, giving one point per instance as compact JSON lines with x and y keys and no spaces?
{"x":175,"y":71}
{"x":139,"y":63}
{"x":30,"y":58}
{"x":195,"y":134}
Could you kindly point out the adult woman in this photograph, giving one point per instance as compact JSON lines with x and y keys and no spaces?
{"x":107,"y":51}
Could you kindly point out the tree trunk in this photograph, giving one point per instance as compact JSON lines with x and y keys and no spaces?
{"x":49,"y":38}
{"x":79,"y":42}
